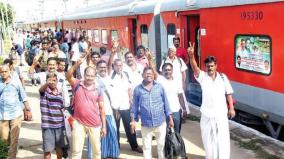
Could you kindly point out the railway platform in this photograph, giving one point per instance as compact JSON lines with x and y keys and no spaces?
{"x":30,"y":141}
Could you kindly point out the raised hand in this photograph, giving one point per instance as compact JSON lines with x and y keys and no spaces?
{"x":190,"y":50}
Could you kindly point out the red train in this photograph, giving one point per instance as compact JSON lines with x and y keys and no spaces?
{"x":246,"y":36}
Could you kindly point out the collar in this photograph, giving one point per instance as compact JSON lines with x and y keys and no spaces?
{"x":154,"y":83}
{"x":55,"y":92}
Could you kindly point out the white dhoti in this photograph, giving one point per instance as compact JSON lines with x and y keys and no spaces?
{"x":215,"y":137}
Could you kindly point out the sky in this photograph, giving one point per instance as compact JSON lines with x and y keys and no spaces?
{"x":32,"y":10}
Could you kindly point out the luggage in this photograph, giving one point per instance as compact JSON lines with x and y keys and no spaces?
{"x":174,"y":145}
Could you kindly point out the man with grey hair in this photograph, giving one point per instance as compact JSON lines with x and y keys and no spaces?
{"x":122,"y":98}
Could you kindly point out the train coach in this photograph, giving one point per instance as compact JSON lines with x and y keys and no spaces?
{"x":246,"y":36}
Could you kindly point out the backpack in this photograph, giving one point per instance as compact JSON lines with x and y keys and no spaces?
{"x":174,"y":145}
{"x":223,"y":78}
{"x":30,"y":56}
{"x":71,"y":107}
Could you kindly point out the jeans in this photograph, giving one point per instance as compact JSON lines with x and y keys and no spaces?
{"x":177,"y":121}
{"x":125,"y":115}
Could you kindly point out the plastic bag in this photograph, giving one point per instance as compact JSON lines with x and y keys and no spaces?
{"x":174,"y":145}
{"x":68,"y":120}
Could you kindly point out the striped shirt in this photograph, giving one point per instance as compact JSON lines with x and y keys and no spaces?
{"x":51,"y":105}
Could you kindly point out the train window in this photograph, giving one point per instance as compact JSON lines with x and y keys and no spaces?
{"x":253,"y":53}
{"x":144,"y":35}
{"x":114,"y":35}
{"x":90,"y":35}
{"x":96,"y":36}
{"x":104,"y":36}
{"x":171,"y":32}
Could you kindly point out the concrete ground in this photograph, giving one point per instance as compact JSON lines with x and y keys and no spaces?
{"x":30,"y":142}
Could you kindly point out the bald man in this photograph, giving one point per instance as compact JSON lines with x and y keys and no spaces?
{"x":12,"y":98}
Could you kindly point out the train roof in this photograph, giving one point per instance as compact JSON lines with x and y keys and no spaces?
{"x":128,"y":7}
{"x":135,"y":7}
{"x":181,"y":5}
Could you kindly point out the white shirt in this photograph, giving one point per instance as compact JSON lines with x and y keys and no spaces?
{"x":172,"y":90}
{"x":135,"y":76}
{"x":213,"y":94}
{"x":119,"y":89}
{"x":104,"y":83}
{"x":178,"y":67}
{"x":76,"y":53}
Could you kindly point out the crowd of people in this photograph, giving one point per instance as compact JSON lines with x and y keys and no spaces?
{"x":104,"y":87}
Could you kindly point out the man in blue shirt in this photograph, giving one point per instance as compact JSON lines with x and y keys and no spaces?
{"x":12,"y":97}
{"x":19,"y":50}
{"x":151,"y":105}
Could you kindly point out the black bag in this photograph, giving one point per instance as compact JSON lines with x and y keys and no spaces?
{"x":174,"y":145}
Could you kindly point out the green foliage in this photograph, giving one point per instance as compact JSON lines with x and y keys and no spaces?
{"x":1,"y":60}
{"x":10,"y":13}
{"x":3,"y":149}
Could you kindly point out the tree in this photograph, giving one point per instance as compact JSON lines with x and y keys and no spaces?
{"x":6,"y":14}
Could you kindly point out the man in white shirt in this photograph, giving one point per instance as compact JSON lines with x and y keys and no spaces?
{"x":133,"y":69}
{"x":75,"y":56}
{"x":174,"y":94}
{"x":179,"y":67}
{"x":109,"y":143}
{"x":216,"y":92}
{"x":121,"y":101}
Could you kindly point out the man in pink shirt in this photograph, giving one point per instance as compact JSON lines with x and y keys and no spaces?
{"x":89,"y":112}
{"x":180,"y":52}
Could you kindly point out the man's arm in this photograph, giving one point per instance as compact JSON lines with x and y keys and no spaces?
{"x":27,"y":108}
{"x":152,"y":64}
{"x":134,"y":110}
{"x":43,"y":88}
{"x":34,"y":64}
{"x":103,"y":117}
{"x":130,"y":96}
{"x":110,"y":60}
{"x":190,"y":52}
{"x":182,"y":104}
{"x":230,"y":102}
{"x":70,"y":72}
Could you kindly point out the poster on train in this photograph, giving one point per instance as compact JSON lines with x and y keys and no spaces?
{"x":253,"y":53}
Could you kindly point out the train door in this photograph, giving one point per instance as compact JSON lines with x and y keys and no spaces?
{"x":132,"y":25}
{"x":193,"y":35}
